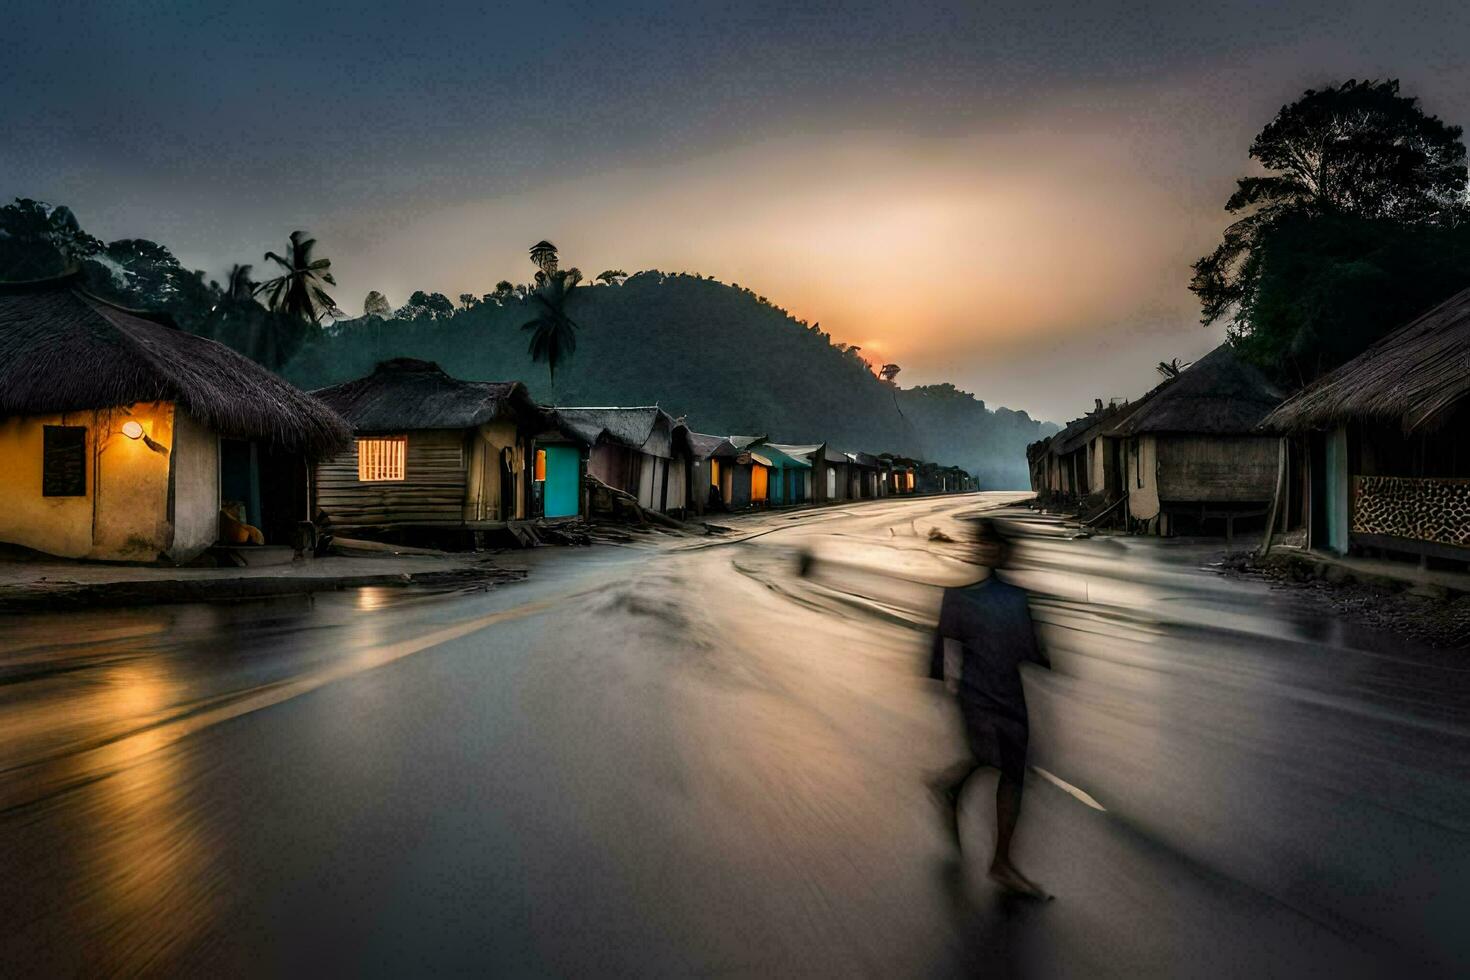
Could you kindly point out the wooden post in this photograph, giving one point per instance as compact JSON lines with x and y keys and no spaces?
{"x":1281,"y":467}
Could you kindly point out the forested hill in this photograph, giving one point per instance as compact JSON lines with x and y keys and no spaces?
{"x":716,"y":353}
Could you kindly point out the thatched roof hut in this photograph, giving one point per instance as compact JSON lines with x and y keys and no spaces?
{"x":65,"y":350}
{"x":1219,"y":394}
{"x":1413,"y":378}
{"x":406,"y":394}
{"x":702,"y":446}
{"x":628,"y":427}
{"x":1079,"y":432}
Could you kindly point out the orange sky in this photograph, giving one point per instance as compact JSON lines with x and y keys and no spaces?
{"x":953,"y":257}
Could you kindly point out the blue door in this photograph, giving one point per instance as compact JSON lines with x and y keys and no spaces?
{"x":563,"y":490}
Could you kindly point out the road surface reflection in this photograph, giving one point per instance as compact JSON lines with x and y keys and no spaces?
{"x":686,"y":757}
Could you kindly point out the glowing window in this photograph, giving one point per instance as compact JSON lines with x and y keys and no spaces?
{"x":714,"y":472}
{"x":910,"y":480}
{"x":540,"y":476}
{"x":381,"y":459}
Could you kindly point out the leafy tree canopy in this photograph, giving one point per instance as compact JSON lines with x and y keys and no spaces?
{"x":1326,"y":287}
{"x":376,"y":304}
{"x":1354,"y":156}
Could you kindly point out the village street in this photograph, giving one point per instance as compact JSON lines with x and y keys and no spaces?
{"x":681,"y":756}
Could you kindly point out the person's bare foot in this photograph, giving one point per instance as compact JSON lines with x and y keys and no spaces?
{"x":1007,"y":877}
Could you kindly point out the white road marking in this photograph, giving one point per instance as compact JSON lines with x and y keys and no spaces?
{"x":1068,"y":788}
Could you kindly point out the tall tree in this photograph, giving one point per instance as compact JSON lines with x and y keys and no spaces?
{"x":1358,"y":149}
{"x":543,"y":257}
{"x":297,"y":292}
{"x":1350,"y":168}
{"x":553,"y":332}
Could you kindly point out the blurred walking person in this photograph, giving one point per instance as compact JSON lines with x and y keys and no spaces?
{"x":985,"y":634}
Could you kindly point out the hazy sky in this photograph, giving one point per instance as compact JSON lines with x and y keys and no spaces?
{"x":1004,"y":196}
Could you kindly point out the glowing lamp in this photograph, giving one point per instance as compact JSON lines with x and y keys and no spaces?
{"x":132,"y":429}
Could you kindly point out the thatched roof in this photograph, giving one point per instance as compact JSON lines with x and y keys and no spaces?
{"x":64,"y":350}
{"x":703,"y":446}
{"x":745,"y":442}
{"x":867,"y":460}
{"x":630,"y":427}
{"x":1416,"y":376}
{"x":407,"y":395}
{"x":1219,"y":394}
{"x":1080,"y":432}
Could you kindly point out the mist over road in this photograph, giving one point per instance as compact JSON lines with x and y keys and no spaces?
{"x":681,"y":756}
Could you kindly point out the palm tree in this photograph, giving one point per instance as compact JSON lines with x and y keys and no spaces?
{"x":239,"y":287}
{"x":1172,"y":368}
{"x":612,"y":277}
{"x":298,"y":292}
{"x":553,"y":333}
{"x":543,"y":256}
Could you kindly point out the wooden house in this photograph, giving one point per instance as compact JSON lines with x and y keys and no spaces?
{"x":1193,"y":457}
{"x":831,"y":474}
{"x":642,"y":451}
{"x":1086,"y":461}
{"x":710,"y":472}
{"x":123,"y":437}
{"x":789,"y":476}
{"x":1386,"y":466}
{"x":749,"y":475}
{"x":430,"y":451}
{"x":902,"y":474}
{"x":863,"y":471}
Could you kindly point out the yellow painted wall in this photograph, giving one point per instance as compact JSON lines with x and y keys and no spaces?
{"x":124,"y":515}
{"x":56,"y":525}
{"x":131,"y":492}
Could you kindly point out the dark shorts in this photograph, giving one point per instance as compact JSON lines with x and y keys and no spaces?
{"x":997,"y":740}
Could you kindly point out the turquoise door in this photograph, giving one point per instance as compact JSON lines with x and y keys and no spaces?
{"x":1335,"y":484}
{"x":563,"y":490}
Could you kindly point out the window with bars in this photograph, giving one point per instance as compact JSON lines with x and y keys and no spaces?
{"x":381,"y":459}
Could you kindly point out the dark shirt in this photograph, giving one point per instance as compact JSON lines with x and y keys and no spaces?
{"x":992,"y":623}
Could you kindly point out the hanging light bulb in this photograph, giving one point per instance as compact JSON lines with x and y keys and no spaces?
{"x":132,"y":429}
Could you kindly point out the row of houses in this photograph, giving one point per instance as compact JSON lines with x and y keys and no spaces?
{"x":125,"y":438}
{"x":1371,"y":458}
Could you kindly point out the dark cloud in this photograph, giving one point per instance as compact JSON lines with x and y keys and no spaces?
{"x":217,"y":128}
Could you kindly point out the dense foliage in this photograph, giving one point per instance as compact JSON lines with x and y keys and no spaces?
{"x":725,"y":357}
{"x":701,"y":348}
{"x":1323,"y":259}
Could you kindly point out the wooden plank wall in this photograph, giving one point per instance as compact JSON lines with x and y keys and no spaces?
{"x":432,"y":491}
{"x":1217,"y":469}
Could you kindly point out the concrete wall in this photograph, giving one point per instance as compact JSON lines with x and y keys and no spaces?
{"x":195,"y":460}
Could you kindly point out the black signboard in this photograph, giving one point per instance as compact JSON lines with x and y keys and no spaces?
{"x":64,"y":470}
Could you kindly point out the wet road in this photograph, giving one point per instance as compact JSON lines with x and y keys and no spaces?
{"x":681,"y":757}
